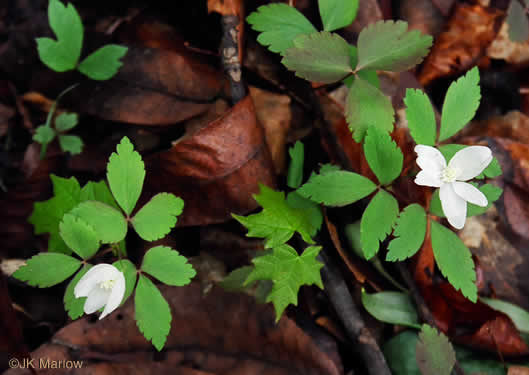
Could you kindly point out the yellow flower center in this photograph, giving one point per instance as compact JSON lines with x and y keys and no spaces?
{"x":449,"y":174}
{"x":107,"y":284}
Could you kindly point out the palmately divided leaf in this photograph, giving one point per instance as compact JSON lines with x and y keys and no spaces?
{"x":435,"y":355}
{"x":75,"y":306}
{"x":66,"y":121}
{"x":312,"y":209}
{"x":460,"y":104}
{"x":387,"y":45}
{"x":108,"y":223}
{"x":98,"y":191}
{"x":410,"y":230}
{"x":278,"y":221}
{"x":391,"y":307}
{"x":288,"y":271}
{"x":47,"y":215}
{"x":454,"y":260}
{"x":168,"y":266}
{"x":152,"y":312}
{"x":104,"y":63}
{"x":383,"y":155}
{"x":71,"y":143}
{"x":125,"y":174}
{"x":44,"y":135}
{"x":377,"y":222}
{"x":156,"y":219}
{"x":518,"y":22}
{"x":79,"y":236}
{"x":421,"y":117}
{"x":336,"y":14}
{"x":279,"y":24}
{"x":295,"y":168}
{"x":319,"y":57}
{"x":130,"y":273}
{"x":337,"y":188}
{"x":62,"y":54}
{"x":47,"y":269}
{"x":367,"y":106}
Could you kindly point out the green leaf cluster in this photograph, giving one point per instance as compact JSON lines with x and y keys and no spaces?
{"x":324,"y":56}
{"x":63,"y":53}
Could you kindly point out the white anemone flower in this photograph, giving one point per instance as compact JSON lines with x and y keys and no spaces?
{"x":454,"y":193}
{"x":104,"y":285}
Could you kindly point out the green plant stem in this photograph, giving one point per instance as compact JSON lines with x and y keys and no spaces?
{"x":50,"y":116}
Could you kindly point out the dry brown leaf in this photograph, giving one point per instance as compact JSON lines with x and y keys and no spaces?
{"x":468,"y":33}
{"x":505,"y":49}
{"x":215,"y":167}
{"x":218,"y":333}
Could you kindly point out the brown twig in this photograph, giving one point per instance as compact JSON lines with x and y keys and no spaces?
{"x":229,"y":51}
{"x":351,"y":318}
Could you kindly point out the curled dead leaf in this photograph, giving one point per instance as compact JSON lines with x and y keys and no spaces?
{"x":215,"y":167}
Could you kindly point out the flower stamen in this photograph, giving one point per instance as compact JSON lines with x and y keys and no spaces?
{"x":449,"y":174}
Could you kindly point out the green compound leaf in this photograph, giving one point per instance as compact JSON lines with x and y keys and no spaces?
{"x":75,"y":306}
{"x":518,"y":23}
{"x":519,"y":316}
{"x":44,"y":134}
{"x":383,"y":155}
{"x":79,"y":236}
{"x":130,"y":273}
{"x":461,"y":103}
{"x":410,"y":230}
{"x":336,"y":14}
{"x":104,"y":63}
{"x":71,"y":143}
{"x":421,"y":117}
{"x":319,"y":57}
{"x":234,"y":281}
{"x":47,"y":269}
{"x":366,"y":74}
{"x":367,"y":106}
{"x":377,"y":222}
{"x":47,"y":215}
{"x":108,"y":223}
{"x":387,"y":45}
{"x":288,"y":271}
{"x":66,"y":121}
{"x":278,"y":221}
{"x":62,"y":54}
{"x":98,"y":191}
{"x":435,"y":355}
{"x":337,"y":188}
{"x":492,"y":192}
{"x":313,"y":210}
{"x":168,"y":266}
{"x":295,"y":169}
{"x":125,"y":174}
{"x":156,"y":219}
{"x":153,"y":314}
{"x":279,"y":24}
{"x":392,"y":308}
{"x":454,"y":260}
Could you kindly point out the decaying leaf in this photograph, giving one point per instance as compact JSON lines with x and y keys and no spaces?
{"x":215,"y":167}
{"x":217,"y":333}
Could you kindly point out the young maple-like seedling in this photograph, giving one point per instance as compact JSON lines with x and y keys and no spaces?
{"x":80,"y":220}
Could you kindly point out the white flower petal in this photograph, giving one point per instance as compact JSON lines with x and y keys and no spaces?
{"x":471,"y":161}
{"x":470,"y":193}
{"x":116,"y":296}
{"x":430,"y":159}
{"x":454,"y":207}
{"x":94,"y":276}
{"x":97,"y":298}
{"x":424,"y":178}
